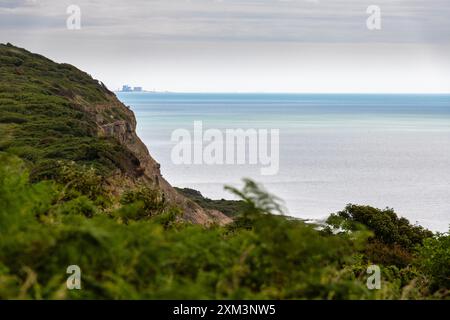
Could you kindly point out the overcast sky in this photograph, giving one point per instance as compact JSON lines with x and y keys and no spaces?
{"x":243,"y":45}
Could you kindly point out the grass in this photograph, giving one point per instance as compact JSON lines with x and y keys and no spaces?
{"x":47,"y":114}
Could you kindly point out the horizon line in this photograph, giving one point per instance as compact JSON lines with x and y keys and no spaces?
{"x":283,"y":92}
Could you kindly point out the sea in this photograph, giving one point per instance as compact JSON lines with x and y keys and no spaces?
{"x":382,"y":150}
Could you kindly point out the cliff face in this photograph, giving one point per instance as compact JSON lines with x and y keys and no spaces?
{"x":51,"y":111}
{"x":148,"y":170}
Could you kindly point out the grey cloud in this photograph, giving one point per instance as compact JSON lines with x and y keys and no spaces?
{"x":247,"y":20}
{"x":10,"y":4}
{"x":238,"y":20}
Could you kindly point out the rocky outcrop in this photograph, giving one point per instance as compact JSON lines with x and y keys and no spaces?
{"x":124,"y":131}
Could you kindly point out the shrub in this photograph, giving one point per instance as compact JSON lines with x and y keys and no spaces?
{"x":148,"y":202}
{"x":434,"y":260}
{"x":387,"y":227}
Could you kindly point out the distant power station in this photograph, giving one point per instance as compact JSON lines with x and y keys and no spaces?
{"x":126,"y":88}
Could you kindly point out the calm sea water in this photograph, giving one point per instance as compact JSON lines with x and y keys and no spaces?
{"x":380,"y":150}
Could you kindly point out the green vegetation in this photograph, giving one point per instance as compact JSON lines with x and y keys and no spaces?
{"x":124,"y":253}
{"x":435,"y":261}
{"x":46,"y":115}
{"x":394,"y":239}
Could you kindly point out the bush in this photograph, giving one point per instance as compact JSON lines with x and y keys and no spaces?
{"x":148,"y":202}
{"x":387,"y":227}
{"x":434,"y":260}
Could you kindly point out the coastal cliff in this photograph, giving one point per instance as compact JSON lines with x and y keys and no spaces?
{"x":52,"y":112}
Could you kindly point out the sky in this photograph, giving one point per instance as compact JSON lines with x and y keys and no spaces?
{"x":302,"y":46}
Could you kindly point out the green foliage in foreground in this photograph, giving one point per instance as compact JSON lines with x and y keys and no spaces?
{"x":123,"y":253}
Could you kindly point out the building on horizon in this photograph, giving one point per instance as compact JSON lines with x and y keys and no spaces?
{"x":126,"y":88}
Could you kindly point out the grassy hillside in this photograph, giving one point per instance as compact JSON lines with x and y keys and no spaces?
{"x":44,"y":115}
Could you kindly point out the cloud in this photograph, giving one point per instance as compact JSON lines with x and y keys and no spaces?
{"x":245,"y":20}
{"x":17,"y":3}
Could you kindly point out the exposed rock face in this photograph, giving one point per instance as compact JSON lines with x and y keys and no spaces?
{"x":124,"y":131}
